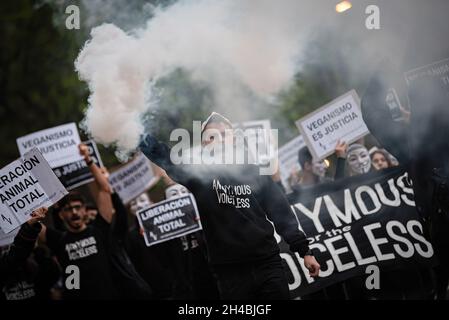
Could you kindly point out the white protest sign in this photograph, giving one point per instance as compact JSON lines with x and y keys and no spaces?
{"x":25,"y":185}
{"x":341,"y":119}
{"x":439,"y":69}
{"x":133,"y":179}
{"x":77,"y":173}
{"x":258,"y":135}
{"x":288,"y":159}
{"x":58,"y":145}
{"x":169,"y":219}
{"x":8,"y":238}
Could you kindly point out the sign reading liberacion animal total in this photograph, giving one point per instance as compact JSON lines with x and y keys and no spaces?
{"x":25,"y":185}
{"x":169,"y":219}
{"x":340,"y":119}
{"x":58,"y":145}
{"x":355,"y":222}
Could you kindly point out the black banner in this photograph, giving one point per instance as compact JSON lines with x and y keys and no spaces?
{"x":75,"y":174}
{"x":354,"y":223}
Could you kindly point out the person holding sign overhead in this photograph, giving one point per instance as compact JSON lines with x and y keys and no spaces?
{"x":96,"y":249}
{"x":235,"y":203}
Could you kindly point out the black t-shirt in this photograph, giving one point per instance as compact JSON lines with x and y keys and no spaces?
{"x":88,"y":250}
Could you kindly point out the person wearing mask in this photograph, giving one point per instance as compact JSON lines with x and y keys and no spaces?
{"x":152,"y":263}
{"x":196,"y":266}
{"x":234,"y":202}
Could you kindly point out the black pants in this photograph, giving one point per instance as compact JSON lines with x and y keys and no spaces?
{"x":260,"y":280}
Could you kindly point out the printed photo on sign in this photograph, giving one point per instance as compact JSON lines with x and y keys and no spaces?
{"x":351,"y":223}
{"x":340,"y":119}
{"x":58,"y":145}
{"x":288,"y":159}
{"x":169,"y":219}
{"x":77,"y":173}
{"x":133,"y":179}
{"x":25,"y":185}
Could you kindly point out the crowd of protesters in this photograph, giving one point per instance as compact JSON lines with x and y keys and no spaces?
{"x":234,"y":257}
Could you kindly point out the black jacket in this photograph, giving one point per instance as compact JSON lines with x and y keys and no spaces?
{"x":234,"y":202}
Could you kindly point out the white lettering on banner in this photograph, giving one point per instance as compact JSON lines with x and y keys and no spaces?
{"x":337,"y":249}
{"x":351,"y":213}
{"x":340,"y":119}
{"x":58,"y":145}
{"x":25,"y":185}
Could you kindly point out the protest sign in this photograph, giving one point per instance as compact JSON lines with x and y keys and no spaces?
{"x":58,"y":145}
{"x":259,"y":140}
{"x":133,"y":179}
{"x":77,"y":173}
{"x":351,"y":223}
{"x":438,"y":70}
{"x":8,"y":238}
{"x":288,"y":159}
{"x":169,"y":219}
{"x":340,"y":119}
{"x":25,"y":185}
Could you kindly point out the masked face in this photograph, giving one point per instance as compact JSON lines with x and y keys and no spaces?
{"x":140,"y":203}
{"x":359,"y":160}
{"x":217,"y":132}
{"x":319,"y":168}
{"x":175,"y":191}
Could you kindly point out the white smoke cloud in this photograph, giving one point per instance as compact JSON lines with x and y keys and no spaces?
{"x":236,"y":47}
{"x":229,"y":45}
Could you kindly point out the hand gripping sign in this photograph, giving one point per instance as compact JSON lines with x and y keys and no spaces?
{"x":25,"y":185}
{"x":169,"y":219}
{"x":340,"y":119}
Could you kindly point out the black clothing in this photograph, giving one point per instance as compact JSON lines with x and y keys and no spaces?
{"x":234,"y":202}
{"x":263,"y":280}
{"x":106,"y":272}
{"x":23,"y":276}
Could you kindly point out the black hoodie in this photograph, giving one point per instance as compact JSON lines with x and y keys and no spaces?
{"x":235,"y":203}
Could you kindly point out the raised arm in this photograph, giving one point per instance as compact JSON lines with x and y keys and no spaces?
{"x":159,"y":153}
{"x":391,"y":135}
{"x":102,"y":190}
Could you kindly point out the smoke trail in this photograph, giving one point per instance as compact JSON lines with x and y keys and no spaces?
{"x":244,"y":51}
{"x":230,"y":45}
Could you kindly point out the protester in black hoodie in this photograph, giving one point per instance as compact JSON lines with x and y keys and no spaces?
{"x":234,"y":202}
